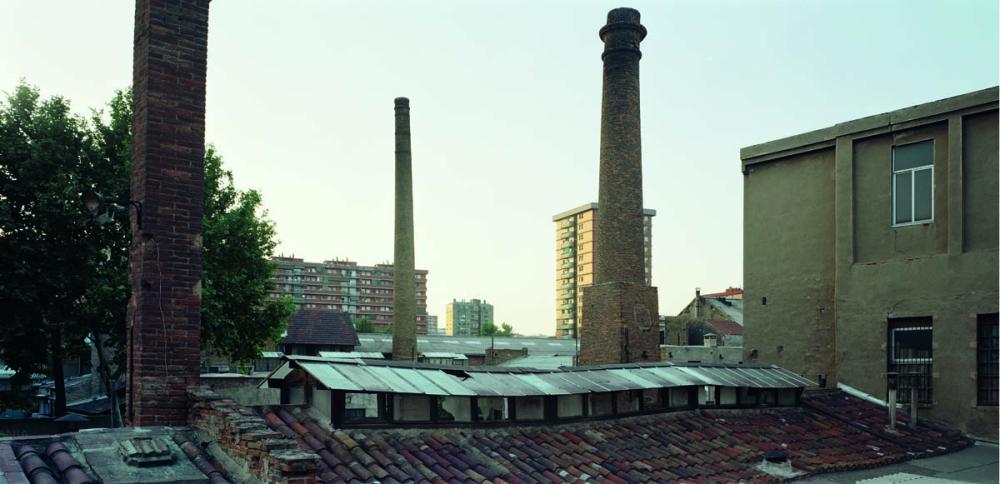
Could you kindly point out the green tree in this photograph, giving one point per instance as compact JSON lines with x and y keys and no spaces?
{"x":239,"y":317}
{"x":63,"y":275}
{"x":363,"y":325}
{"x":488,"y":329}
{"x":51,"y":252}
{"x":505,"y":330}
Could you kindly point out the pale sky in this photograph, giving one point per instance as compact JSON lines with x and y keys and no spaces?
{"x":505,"y":100}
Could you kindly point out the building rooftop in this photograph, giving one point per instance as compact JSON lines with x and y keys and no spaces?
{"x":470,"y":345}
{"x":723,"y":327}
{"x":130,"y":455}
{"x":590,"y":206}
{"x":730,"y":307}
{"x":321,"y":327}
{"x":830,"y":432}
{"x":904,"y":118}
{"x":416,"y":379}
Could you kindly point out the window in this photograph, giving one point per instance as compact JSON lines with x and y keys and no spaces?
{"x":911,"y":357}
{"x":913,"y":183}
{"x":987,"y":359}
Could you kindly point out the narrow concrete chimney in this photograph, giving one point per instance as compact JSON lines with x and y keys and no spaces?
{"x":619,"y":310}
{"x":404,"y":298}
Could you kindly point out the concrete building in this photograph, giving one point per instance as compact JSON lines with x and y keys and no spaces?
{"x":871,"y":247}
{"x":575,"y":261}
{"x":343,"y":285}
{"x":432,"y":325}
{"x":465,"y":317}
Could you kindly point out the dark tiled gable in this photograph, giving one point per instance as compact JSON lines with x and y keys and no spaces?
{"x":725,"y":327}
{"x":705,"y":445}
{"x":321,"y":327}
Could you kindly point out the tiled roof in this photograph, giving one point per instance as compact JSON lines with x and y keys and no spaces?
{"x":321,"y":327}
{"x":732,"y":308}
{"x":71,"y":459}
{"x":725,"y":327}
{"x":693,"y":446}
{"x":729,"y":292}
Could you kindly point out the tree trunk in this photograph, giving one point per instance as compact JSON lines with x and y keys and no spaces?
{"x":55,"y":348}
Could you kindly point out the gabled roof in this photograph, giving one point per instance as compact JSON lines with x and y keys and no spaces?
{"x":725,"y":327}
{"x":733,"y":308}
{"x":321,"y":327}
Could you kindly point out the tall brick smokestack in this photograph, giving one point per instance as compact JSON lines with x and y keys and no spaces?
{"x":619,"y":253}
{"x":620,"y":313}
{"x":404,"y":299}
{"x":168,"y":171}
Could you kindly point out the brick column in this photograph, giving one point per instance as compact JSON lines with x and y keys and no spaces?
{"x":404,"y":296}
{"x":168,"y":151}
{"x":620,"y":322}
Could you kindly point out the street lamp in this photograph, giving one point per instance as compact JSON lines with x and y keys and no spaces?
{"x":94,"y":201}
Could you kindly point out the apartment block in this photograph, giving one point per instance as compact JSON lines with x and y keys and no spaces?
{"x":343,"y":285}
{"x":575,"y":261}
{"x":464,"y":318}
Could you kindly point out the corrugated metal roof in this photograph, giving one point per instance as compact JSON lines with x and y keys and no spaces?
{"x":409,"y":378}
{"x":471,"y":345}
{"x":371,"y":355}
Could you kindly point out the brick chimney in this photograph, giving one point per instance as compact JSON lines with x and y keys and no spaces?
{"x":404,"y":297}
{"x":620,"y":313}
{"x":168,"y":170}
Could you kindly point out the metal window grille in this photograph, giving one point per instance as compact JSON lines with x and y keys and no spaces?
{"x":987,"y":360}
{"x":911,"y":357}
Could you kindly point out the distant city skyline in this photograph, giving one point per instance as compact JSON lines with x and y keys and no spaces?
{"x":505,"y":115}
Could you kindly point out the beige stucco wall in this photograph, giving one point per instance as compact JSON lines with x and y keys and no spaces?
{"x":788,"y":258}
{"x":945,"y":269}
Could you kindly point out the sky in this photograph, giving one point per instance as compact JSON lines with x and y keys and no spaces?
{"x":505,"y":115}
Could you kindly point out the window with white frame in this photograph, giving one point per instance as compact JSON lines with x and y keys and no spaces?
{"x":913,"y":183}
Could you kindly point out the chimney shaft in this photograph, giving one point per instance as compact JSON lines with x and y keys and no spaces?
{"x":619,"y":310}
{"x":404,"y":300}
{"x":620,"y":252}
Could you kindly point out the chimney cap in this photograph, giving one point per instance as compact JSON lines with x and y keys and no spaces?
{"x":402,"y":102}
{"x":623,"y":15}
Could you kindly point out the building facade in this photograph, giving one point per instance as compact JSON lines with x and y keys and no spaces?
{"x":575,"y":261}
{"x":464,"y":318}
{"x":342,"y":285}
{"x":432,"y":325}
{"x":871,"y":246}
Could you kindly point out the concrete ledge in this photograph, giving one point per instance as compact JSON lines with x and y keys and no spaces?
{"x":825,"y":137}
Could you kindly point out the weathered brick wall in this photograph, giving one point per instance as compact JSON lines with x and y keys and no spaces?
{"x":610,"y":308}
{"x":168,"y":150}
{"x":264,"y":454}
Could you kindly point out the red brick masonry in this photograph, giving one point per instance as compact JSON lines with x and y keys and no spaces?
{"x":830,"y":432}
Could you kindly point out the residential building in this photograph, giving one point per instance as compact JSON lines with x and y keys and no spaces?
{"x":432,"y":325}
{"x":719,"y":313}
{"x":575,"y":261}
{"x":871,"y":247}
{"x":464,"y":318}
{"x":343,"y":285}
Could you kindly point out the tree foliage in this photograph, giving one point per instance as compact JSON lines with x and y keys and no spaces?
{"x":239,"y":317}
{"x":63,"y":275}
{"x":505,"y":330}
{"x":52,"y":256}
{"x":363,"y":325}
{"x":488,"y":329}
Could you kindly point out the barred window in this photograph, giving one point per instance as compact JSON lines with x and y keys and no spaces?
{"x":987,"y":349}
{"x":911,"y":356}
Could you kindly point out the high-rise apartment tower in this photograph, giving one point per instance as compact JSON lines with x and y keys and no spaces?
{"x":575,"y":261}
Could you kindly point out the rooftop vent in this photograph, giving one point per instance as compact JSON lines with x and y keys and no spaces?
{"x":145,"y":451}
